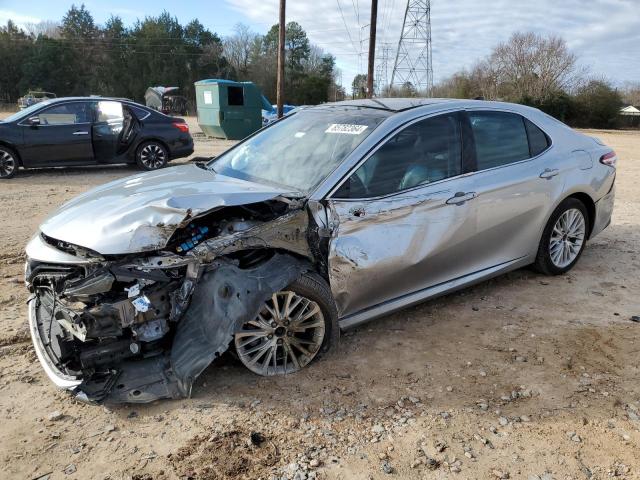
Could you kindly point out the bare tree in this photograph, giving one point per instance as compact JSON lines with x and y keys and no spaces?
{"x":46,"y":28}
{"x":528,"y":67}
{"x":532,"y":66}
{"x":238,"y":48}
{"x":631,"y":94}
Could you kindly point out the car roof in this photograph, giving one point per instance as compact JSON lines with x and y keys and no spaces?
{"x":390,"y":104}
{"x":394,"y":105}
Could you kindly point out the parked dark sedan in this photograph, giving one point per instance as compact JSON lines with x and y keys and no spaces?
{"x":90,"y":131}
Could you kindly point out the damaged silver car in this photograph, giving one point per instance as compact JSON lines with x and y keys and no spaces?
{"x":330,"y":217}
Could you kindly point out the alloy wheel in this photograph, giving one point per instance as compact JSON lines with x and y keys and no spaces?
{"x":153,"y":156}
{"x":7,"y":164}
{"x":284,"y":337}
{"x":567,"y":238}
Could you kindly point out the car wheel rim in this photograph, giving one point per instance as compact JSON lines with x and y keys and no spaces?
{"x":285,"y":336}
{"x":567,"y":238}
{"x":153,"y":156}
{"x":7,"y":164}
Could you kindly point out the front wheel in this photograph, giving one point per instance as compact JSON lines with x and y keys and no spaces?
{"x":563,"y":239}
{"x":152,"y":156}
{"x":294,"y":327}
{"x":8,"y":163}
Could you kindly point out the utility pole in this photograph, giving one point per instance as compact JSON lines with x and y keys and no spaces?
{"x":372,"y":47}
{"x":280,"y":79}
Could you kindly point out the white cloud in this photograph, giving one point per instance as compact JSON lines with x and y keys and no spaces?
{"x":19,"y":19}
{"x":605,"y":34}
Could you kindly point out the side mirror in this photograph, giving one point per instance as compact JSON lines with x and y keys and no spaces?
{"x":34,"y":121}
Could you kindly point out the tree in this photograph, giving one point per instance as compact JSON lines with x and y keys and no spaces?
{"x":78,"y":24}
{"x":47,"y":28}
{"x":631,"y":94}
{"x":530,"y":65}
{"x":238,"y":49}
{"x":80,"y":57}
{"x":359,"y":86}
{"x":15,"y":46}
{"x":597,"y":105}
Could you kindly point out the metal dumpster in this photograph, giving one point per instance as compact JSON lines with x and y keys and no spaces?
{"x":228,"y":109}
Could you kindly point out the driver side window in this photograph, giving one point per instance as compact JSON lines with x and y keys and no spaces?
{"x":427,"y":151}
{"x":66,"y":114}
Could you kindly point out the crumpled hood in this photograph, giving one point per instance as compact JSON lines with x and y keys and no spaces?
{"x":141,"y":212}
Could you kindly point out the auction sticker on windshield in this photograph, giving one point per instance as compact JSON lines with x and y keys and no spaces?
{"x":347,"y":128}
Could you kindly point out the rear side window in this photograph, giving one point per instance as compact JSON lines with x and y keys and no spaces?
{"x":109,"y":111}
{"x":140,"y":113}
{"x":538,"y":140}
{"x":500,"y":137}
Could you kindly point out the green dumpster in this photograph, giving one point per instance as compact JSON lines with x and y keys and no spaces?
{"x":228,"y":109}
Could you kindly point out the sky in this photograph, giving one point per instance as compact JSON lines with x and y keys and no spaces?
{"x":605,"y":34}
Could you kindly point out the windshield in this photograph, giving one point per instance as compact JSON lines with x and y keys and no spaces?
{"x":26,"y":112}
{"x":301,"y":150}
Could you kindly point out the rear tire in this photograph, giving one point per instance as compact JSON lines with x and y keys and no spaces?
{"x":563,"y":239}
{"x":267,"y":345}
{"x":8,"y":163}
{"x":152,"y":155}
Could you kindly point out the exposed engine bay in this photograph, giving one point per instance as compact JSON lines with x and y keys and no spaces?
{"x":140,"y":327}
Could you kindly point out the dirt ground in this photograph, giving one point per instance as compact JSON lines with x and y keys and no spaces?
{"x":522,"y":377}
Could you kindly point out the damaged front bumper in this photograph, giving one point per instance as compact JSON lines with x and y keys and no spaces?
{"x":143,"y":327}
{"x":60,"y":379}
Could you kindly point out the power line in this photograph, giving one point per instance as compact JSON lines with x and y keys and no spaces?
{"x":356,"y":9}
{"x":345,"y":26}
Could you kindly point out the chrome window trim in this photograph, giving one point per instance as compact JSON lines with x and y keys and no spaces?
{"x":380,"y":144}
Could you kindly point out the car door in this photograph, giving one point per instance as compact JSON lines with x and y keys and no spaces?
{"x":58,"y":135}
{"x":402,"y":217}
{"x":517,"y":181}
{"x":107,"y":130}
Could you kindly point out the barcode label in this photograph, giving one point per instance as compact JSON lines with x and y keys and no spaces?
{"x":346,"y":128}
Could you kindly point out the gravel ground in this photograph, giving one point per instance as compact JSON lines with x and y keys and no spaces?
{"x":523,"y":376}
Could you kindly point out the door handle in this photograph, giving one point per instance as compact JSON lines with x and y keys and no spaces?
{"x":81,"y":132}
{"x":461,"y":197}
{"x":549,"y":173}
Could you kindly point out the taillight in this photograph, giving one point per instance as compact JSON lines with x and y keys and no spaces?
{"x":183,"y":127}
{"x":609,"y":159}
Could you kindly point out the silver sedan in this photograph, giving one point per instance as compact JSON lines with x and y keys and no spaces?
{"x":333,"y":216}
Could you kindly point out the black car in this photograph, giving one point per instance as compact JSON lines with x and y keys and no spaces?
{"x":90,"y":131}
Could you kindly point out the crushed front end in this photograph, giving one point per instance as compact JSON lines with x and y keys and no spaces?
{"x":140,"y":327}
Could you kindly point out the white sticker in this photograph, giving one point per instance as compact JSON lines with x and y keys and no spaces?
{"x":133,"y":291}
{"x":299,"y":134}
{"x":208,"y":97}
{"x":347,"y":128}
{"x":141,"y":304}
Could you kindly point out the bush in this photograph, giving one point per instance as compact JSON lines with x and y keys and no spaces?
{"x":597,"y":105}
{"x":559,"y":105}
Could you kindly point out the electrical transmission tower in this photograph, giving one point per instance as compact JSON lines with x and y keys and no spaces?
{"x":413,"y":57}
{"x":382,"y":69}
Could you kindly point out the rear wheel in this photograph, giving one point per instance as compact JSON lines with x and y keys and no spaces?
{"x":563,"y":239}
{"x":294,"y":327}
{"x":152,"y":156}
{"x":8,"y":163}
